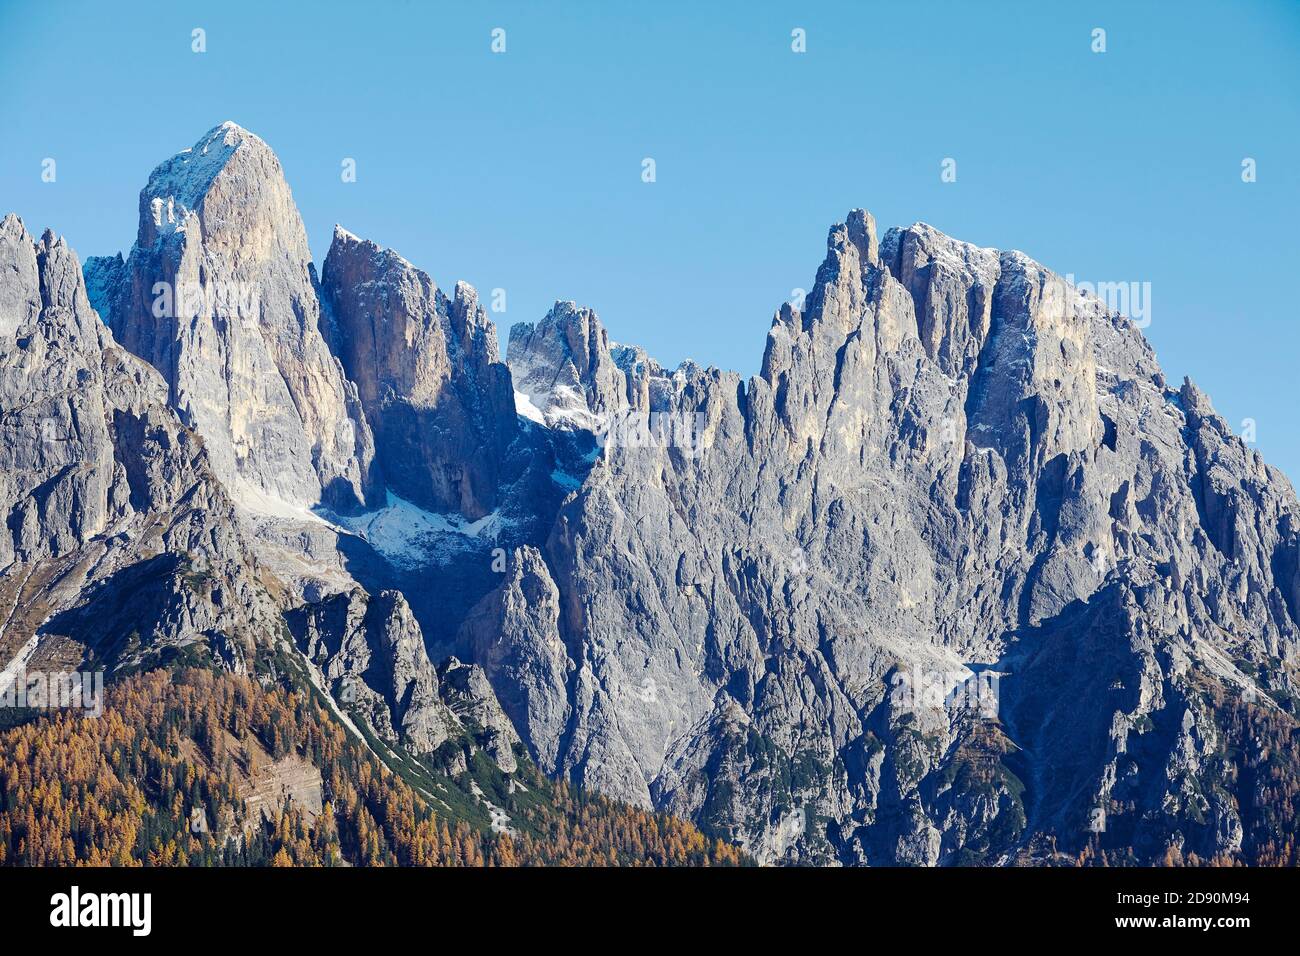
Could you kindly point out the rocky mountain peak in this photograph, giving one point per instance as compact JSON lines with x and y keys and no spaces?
{"x":112,"y":514}
{"x":860,"y":230}
{"x":62,"y":285}
{"x":180,"y":185}
{"x":219,"y":295}
{"x":565,"y":368}
{"x":427,"y":372}
{"x":20,"y":296}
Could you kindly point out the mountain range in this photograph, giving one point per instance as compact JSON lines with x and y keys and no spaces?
{"x":959,"y":578}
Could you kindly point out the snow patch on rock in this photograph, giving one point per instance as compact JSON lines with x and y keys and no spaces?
{"x":410,"y":537}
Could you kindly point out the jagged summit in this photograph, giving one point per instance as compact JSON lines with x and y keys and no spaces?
{"x":178,"y":185}
{"x":344,"y":239}
{"x":562,"y":364}
{"x":20,"y":298}
{"x":219,"y":294}
{"x":424,"y":365}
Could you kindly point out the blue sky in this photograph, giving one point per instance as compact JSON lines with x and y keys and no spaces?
{"x":522,"y":170}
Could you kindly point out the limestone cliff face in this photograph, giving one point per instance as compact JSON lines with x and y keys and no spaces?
{"x":20,"y":295}
{"x":119,"y":543}
{"x":428,"y":374}
{"x":371,"y":655}
{"x":514,"y":633}
{"x":950,"y":462}
{"x":219,"y":294}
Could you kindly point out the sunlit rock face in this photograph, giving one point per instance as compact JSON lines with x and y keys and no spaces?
{"x":120,"y":546}
{"x":951,"y":462}
{"x":219,"y":294}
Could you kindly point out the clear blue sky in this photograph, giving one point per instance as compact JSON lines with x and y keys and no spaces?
{"x":523,"y":170}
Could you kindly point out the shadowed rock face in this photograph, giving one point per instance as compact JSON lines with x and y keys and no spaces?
{"x":219,"y":295}
{"x":371,"y":655}
{"x":428,"y":374}
{"x":514,"y":634}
